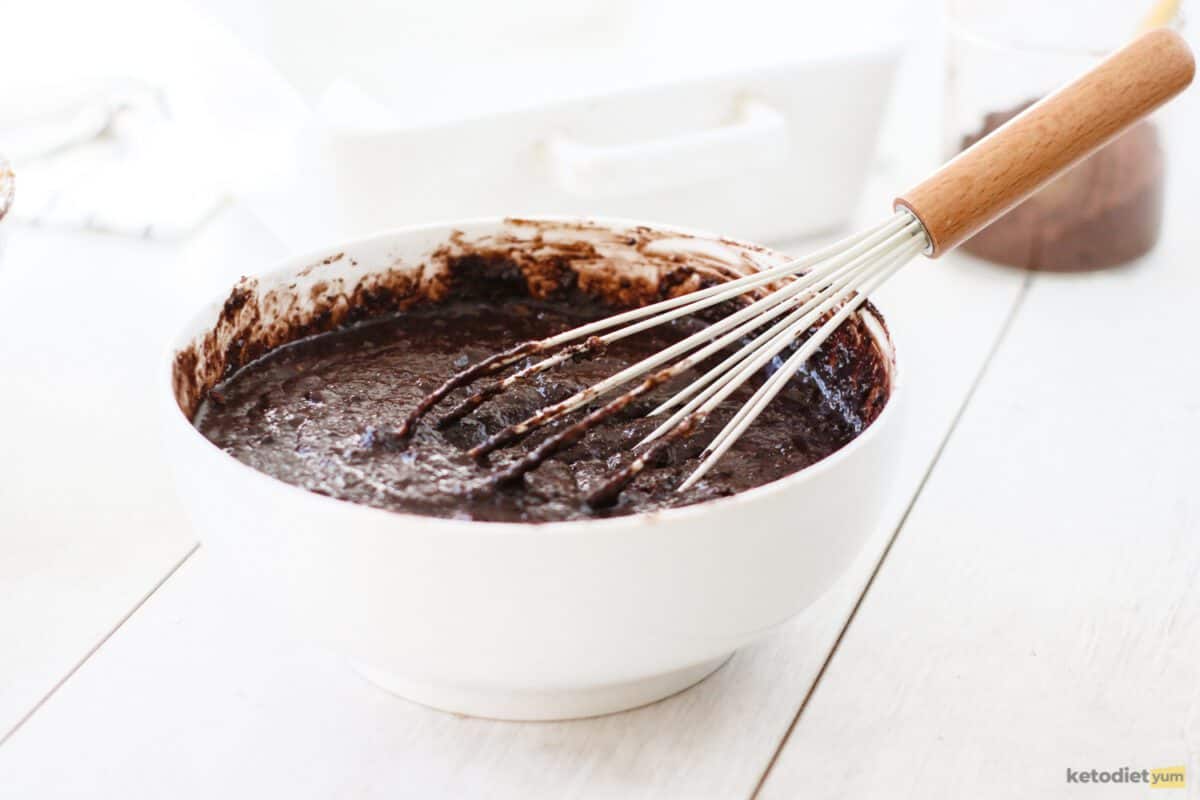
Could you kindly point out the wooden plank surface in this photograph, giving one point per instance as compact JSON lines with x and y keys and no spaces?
{"x":196,"y":697}
{"x":88,"y":520}
{"x":1041,"y":608}
{"x":89,"y":523}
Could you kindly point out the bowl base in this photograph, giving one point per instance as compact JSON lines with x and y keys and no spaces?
{"x":542,"y":706}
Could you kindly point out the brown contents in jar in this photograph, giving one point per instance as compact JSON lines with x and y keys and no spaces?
{"x":1105,"y":211}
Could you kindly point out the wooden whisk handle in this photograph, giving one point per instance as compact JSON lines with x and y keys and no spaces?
{"x":1017,"y":159}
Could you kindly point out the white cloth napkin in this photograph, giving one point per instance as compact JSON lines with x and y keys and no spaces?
{"x":142,"y":118}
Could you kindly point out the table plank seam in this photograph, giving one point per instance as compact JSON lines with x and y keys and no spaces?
{"x":1001,"y":335}
{"x":96,"y":647}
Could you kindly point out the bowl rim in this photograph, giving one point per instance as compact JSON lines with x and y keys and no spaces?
{"x":657,"y":517}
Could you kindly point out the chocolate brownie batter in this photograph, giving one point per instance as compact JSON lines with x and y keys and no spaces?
{"x":321,"y":413}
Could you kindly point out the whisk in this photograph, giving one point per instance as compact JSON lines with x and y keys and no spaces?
{"x":824,"y":288}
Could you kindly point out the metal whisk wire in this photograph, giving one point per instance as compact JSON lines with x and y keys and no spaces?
{"x":871,"y":277}
{"x":652,"y":315}
{"x":829,"y":283}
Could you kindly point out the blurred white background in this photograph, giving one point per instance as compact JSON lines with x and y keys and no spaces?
{"x":143,"y":117}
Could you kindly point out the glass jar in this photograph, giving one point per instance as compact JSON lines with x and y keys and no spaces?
{"x":1001,"y":58}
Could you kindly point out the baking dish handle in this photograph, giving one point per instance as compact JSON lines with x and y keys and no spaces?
{"x":756,"y":138}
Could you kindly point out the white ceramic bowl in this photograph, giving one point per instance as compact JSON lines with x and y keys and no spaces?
{"x":520,"y":621}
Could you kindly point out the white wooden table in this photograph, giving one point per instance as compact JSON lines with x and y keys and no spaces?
{"x":1030,"y":603}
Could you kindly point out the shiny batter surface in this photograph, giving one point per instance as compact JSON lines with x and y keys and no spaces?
{"x":319,"y":412}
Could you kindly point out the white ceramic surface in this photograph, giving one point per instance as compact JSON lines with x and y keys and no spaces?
{"x":765,"y":153}
{"x":529,"y":621}
{"x":759,"y":141}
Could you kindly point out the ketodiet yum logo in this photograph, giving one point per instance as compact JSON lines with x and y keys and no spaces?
{"x":1154,"y":778}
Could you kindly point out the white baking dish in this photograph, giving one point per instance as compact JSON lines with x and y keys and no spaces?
{"x":508,"y":620}
{"x":764,"y":153}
